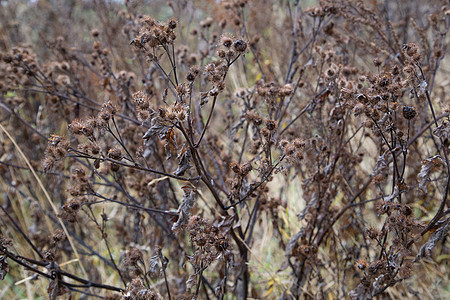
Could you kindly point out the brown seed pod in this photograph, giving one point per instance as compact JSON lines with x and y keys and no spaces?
{"x":240,"y":45}
{"x":409,"y":112}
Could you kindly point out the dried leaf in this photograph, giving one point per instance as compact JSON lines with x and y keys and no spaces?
{"x":158,"y":127}
{"x":422,"y":88}
{"x":435,"y":237}
{"x":164,"y":96}
{"x":55,"y":289}
{"x":4,"y":267}
{"x":225,"y":224}
{"x":192,"y":281}
{"x":171,"y":143}
{"x":204,"y":98}
{"x":309,"y":206}
{"x":164,"y":130}
{"x":220,"y":289}
{"x":245,"y":188}
{"x":154,"y":269}
{"x":443,"y":131}
{"x":185,"y":207}
{"x":184,"y":164}
{"x":429,"y":166}
{"x":394,"y":194}
{"x":309,"y":63}
{"x":381,"y":164}
{"x":337,"y":112}
{"x":293,"y":242}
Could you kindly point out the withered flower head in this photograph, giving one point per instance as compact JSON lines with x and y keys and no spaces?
{"x":69,"y":211}
{"x":115,"y":153}
{"x":76,"y":127}
{"x":132,"y":257}
{"x":95,"y":32}
{"x":361,"y":264}
{"x":172,"y":23}
{"x":194,"y":71}
{"x":271,"y":125}
{"x":240,"y":45}
{"x":286,"y":90}
{"x":409,"y":112}
{"x":58,"y":236}
{"x":226,"y":41}
{"x":207,"y":22}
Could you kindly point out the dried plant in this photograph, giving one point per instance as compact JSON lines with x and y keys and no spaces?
{"x":224,"y":149}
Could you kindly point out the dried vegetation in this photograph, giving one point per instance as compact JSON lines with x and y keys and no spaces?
{"x":224,"y":149}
